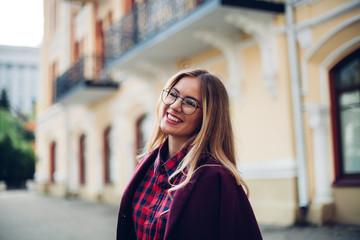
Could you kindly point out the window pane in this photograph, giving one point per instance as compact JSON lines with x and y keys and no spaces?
{"x":350,"y":74}
{"x":350,"y":131}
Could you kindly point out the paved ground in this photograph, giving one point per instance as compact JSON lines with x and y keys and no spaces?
{"x":29,"y":216}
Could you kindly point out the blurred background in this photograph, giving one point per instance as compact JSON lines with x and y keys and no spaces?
{"x":80,"y":80}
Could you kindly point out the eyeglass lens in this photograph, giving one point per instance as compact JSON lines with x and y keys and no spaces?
{"x":188,"y":105}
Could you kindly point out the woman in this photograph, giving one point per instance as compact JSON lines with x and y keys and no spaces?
{"x":187,"y":186}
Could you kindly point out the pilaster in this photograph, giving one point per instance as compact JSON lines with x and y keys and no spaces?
{"x":322,"y":208}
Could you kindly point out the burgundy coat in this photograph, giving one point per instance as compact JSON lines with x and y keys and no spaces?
{"x":211,"y":206}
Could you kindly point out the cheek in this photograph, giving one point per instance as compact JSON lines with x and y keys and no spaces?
{"x":162,"y":110}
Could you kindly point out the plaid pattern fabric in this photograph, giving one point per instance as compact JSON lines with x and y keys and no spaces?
{"x":151,"y":199}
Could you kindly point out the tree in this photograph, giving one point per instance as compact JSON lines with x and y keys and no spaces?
{"x":4,"y":99}
{"x":17,"y":158}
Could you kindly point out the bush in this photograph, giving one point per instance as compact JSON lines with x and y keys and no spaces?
{"x":17,"y":158}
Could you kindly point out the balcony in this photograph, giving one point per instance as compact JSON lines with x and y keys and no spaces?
{"x":84,"y":83}
{"x":163,"y":30}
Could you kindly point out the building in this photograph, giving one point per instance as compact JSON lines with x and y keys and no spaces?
{"x":20,"y":77}
{"x":291,"y":68}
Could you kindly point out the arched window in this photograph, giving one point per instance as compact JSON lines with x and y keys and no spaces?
{"x":82,"y":160}
{"x":345,"y":96}
{"x":140,"y":134}
{"x":108,"y":164}
{"x":52,"y":158}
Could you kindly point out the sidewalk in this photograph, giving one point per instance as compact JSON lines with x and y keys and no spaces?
{"x":28,"y":216}
{"x":311,"y":233}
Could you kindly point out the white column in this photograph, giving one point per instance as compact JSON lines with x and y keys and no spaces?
{"x":100,"y":172}
{"x":319,"y":121}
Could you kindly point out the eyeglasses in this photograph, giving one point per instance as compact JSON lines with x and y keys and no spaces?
{"x":188,"y":104}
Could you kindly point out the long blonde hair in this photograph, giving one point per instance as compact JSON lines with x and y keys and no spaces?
{"x":215,"y":136}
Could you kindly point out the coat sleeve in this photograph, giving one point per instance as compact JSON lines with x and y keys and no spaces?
{"x":217,"y":208}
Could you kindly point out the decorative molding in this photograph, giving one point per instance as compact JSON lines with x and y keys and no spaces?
{"x":300,"y":3}
{"x":261,"y":28}
{"x":304,"y":38}
{"x":318,"y":115}
{"x":154,"y":70}
{"x":328,"y":15}
{"x":228,"y":43}
{"x":313,"y":22}
{"x":316,"y":47}
{"x":324,"y":71}
{"x":275,"y":169}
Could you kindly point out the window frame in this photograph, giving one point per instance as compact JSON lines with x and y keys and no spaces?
{"x":107,"y":155}
{"x":341,"y":178}
{"x":82,"y":159}
{"x":52,"y":167}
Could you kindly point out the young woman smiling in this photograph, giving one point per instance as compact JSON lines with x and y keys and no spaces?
{"x":187,"y":185}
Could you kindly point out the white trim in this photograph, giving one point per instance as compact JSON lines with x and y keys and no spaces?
{"x":275,"y":169}
{"x":315,"y":48}
{"x":320,"y":19}
{"x":318,"y":116}
{"x":304,"y":3}
{"x":324,"y":86}
{"x":328,"y":15}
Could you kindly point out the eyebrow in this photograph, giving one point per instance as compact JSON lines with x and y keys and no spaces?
{"x":178,"y":92}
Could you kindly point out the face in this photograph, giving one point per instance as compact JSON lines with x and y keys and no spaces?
{"x":174,"y":122}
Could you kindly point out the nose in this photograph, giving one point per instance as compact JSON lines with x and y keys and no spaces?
{"x":176,"y":106}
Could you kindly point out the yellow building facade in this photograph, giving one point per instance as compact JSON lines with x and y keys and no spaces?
{"x":292,"y":70}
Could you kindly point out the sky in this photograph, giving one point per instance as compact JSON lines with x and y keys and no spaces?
{"x":21,"y":22}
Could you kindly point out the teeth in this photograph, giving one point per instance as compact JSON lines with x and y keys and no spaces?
{"x":172,"y":118}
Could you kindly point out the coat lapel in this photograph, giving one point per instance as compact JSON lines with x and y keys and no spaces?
{"x":181,"y":196}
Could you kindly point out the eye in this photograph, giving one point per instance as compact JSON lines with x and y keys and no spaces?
{"x":173,"y":94}
{"x":190,"y":102}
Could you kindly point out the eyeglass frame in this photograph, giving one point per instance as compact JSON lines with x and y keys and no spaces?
{"x":178,"y":96}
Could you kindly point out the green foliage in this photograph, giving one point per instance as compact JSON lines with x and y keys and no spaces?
{"x":17,"y":158}
{"x":4,"y":99}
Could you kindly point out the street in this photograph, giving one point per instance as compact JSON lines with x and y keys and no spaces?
{"x":26,"y":215}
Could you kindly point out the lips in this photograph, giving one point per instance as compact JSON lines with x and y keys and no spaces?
{"x":173,"y":118}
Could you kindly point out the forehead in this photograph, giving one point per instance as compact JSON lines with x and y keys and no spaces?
{"x":189,"y":86}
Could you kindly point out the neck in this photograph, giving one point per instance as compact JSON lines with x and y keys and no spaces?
{"x":175,"y":145}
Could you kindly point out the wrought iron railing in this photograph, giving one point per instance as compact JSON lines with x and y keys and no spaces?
{"x":143,"y":21}
{"x":86,"y":69}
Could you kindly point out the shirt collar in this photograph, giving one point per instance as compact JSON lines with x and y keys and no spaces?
{"x":170,"y":165}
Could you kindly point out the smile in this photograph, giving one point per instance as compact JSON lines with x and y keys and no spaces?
{"x":173,"y":118}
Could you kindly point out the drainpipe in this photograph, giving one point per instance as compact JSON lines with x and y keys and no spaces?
{"x":303,"y":197}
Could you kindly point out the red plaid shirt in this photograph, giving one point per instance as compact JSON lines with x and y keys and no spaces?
{"x":151,"y":197}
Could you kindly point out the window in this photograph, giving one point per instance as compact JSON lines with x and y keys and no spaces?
{"x":53,"y":75}
{"x":52,"y":164}
{"x":108,"y":164}
{"x":82,"y":160}
{"x":345,"y":96}
{"x":140,"y":134}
